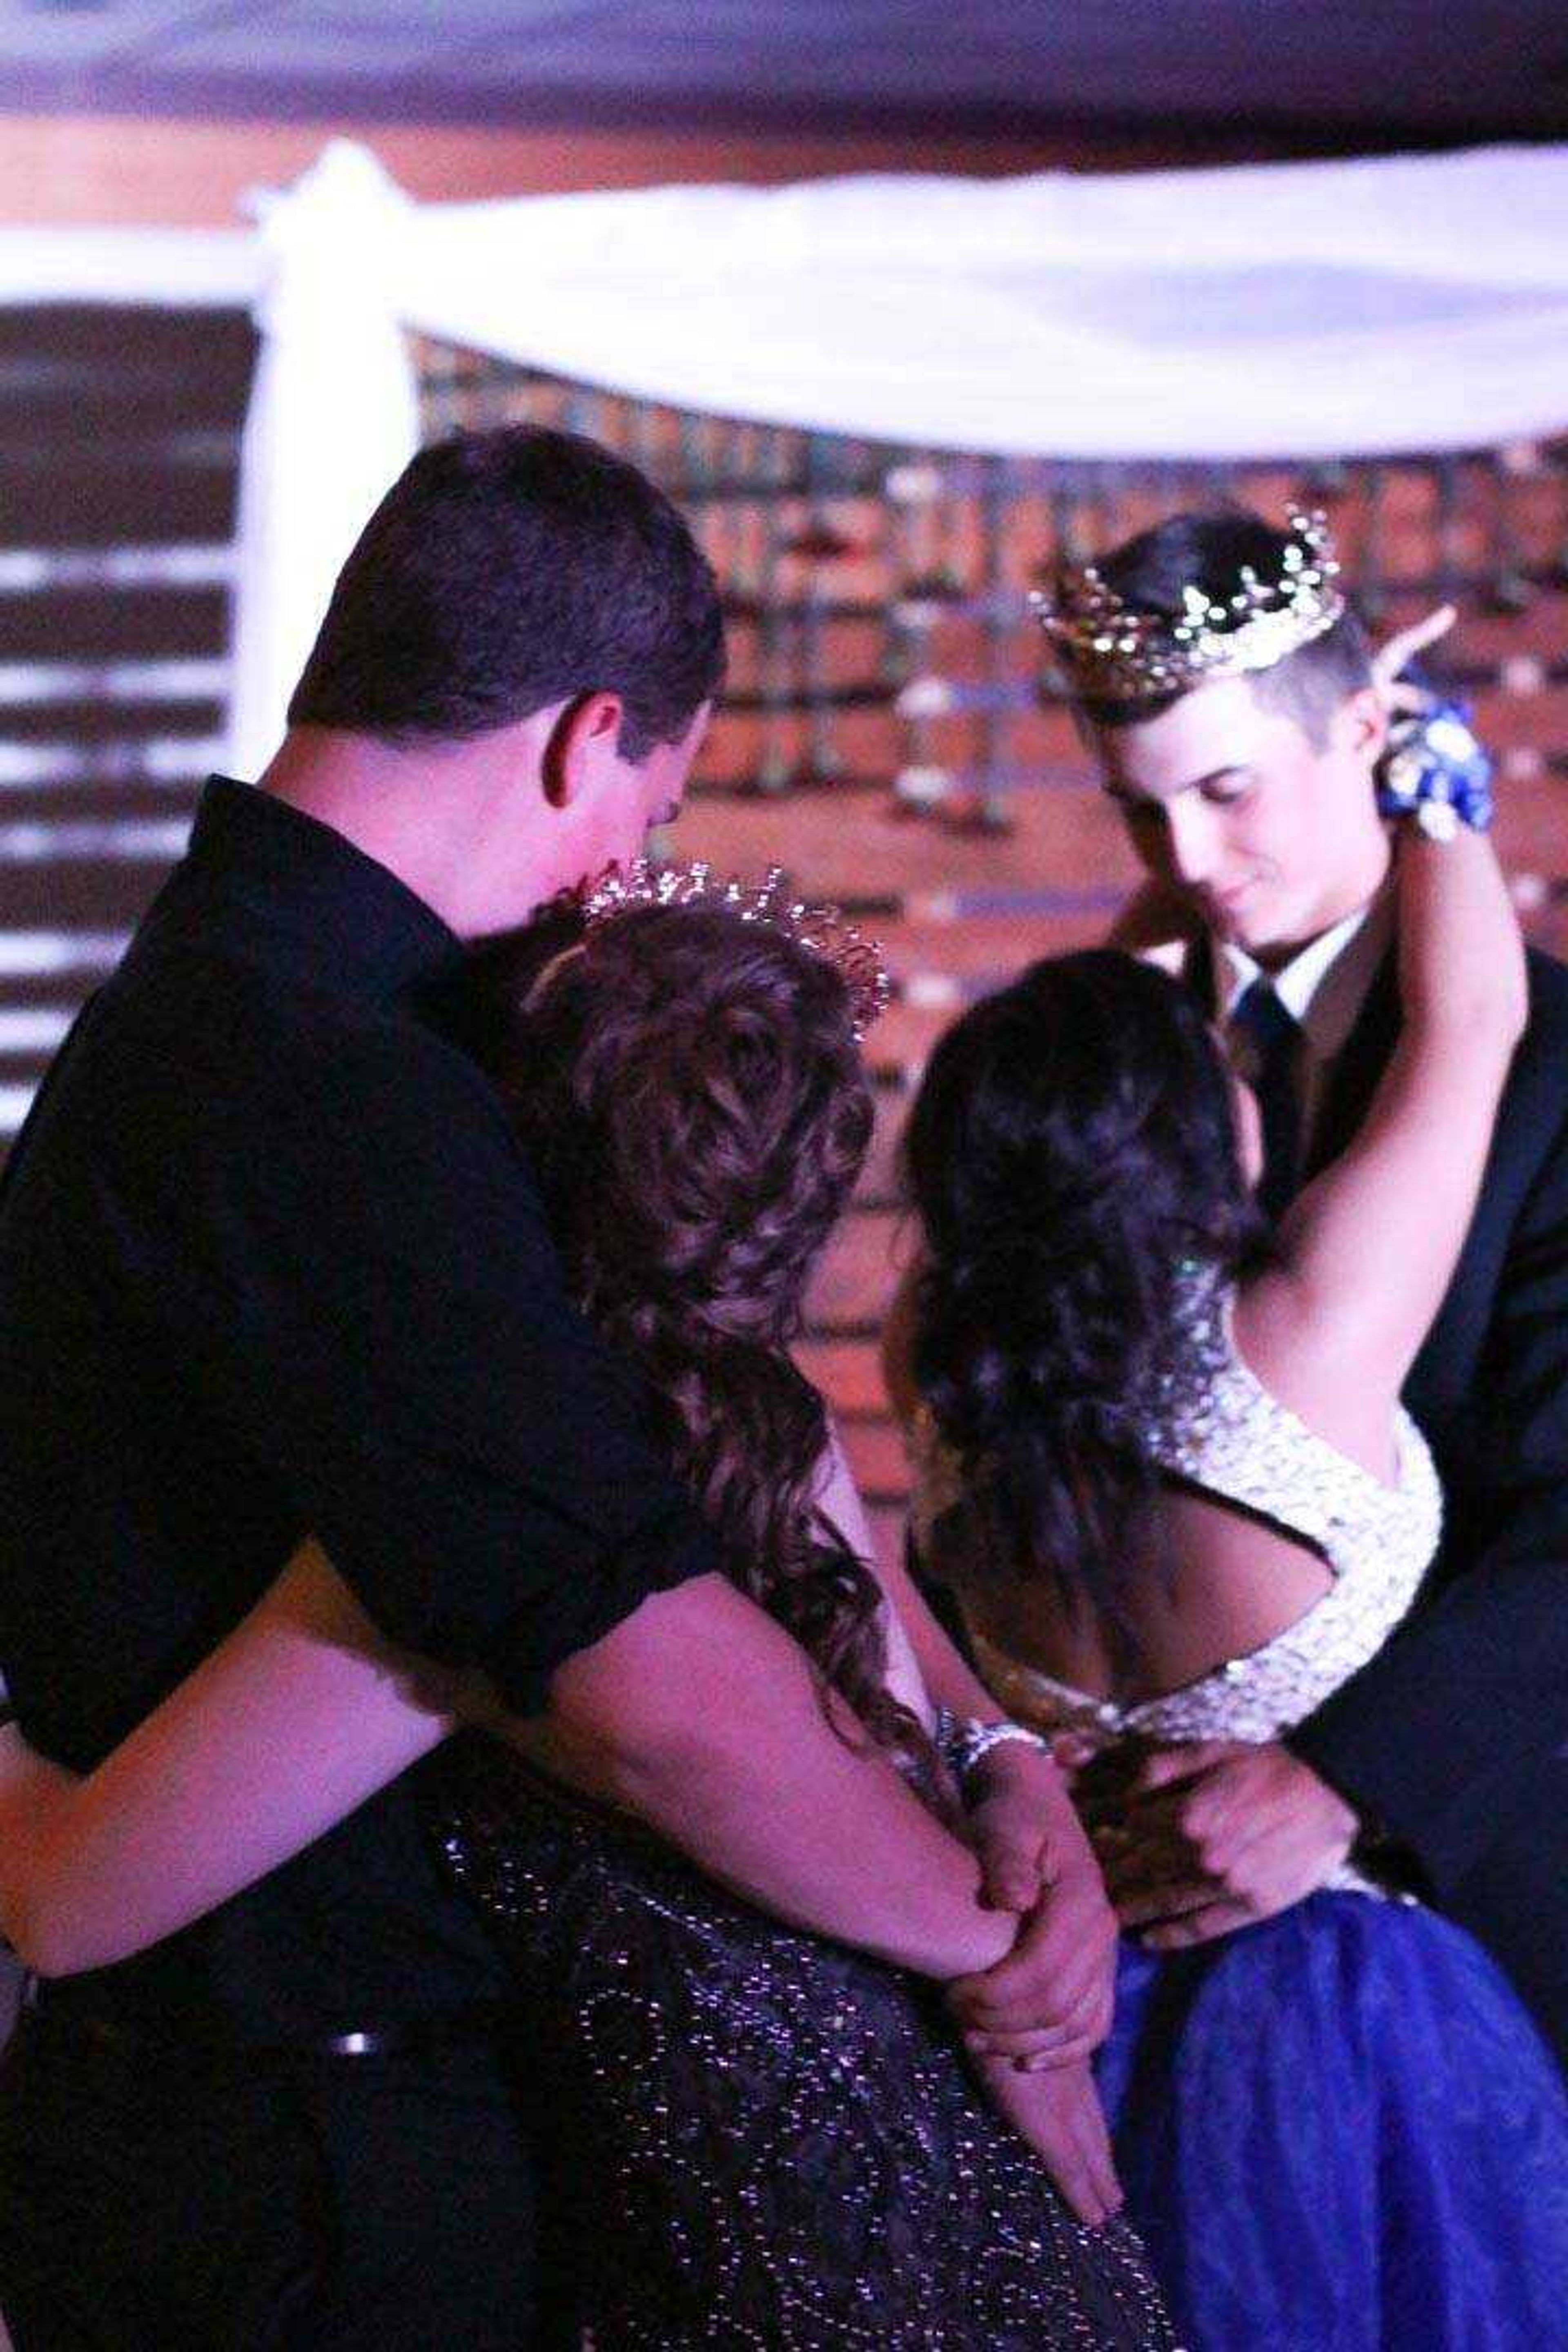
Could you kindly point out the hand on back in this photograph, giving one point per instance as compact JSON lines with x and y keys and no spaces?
{"x":1200,"y":1840}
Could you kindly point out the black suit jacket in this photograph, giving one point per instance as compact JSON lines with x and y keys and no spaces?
{"x":1456,"y":1735}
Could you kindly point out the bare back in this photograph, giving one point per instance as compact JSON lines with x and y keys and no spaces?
{"x":1227,"y":1580}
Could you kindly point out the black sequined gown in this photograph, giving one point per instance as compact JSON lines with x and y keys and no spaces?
{"x":759,"y":2139}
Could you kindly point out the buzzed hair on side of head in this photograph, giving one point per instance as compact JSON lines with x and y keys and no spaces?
{"x":1210,"y":551}
{"x":507,"y":570}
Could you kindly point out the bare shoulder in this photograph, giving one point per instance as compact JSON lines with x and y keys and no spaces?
{"x":1300,"y":1354}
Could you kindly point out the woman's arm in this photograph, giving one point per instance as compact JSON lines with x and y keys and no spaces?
{"x":298,"y":1716}
{"x":1034,"y":1856}
{"x":949,"y":1681}
{"x":1368,"y":1250}
{"x":696,"y":1712}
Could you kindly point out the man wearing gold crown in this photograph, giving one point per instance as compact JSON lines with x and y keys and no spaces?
{"x":1241,"y":724}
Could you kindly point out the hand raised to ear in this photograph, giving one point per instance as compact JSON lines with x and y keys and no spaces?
{"x":1388,"y":663}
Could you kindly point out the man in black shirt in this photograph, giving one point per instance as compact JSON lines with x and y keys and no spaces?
{"x":272,"y":1268}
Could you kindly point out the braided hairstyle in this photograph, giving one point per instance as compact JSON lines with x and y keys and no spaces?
{"x":696,"y":1109}
{"x":1072,"y":1158}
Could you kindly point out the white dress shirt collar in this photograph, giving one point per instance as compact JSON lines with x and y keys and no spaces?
{"x":1325,"y":985}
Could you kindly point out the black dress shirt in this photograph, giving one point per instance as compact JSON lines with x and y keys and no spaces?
{"x":272,"y":1263}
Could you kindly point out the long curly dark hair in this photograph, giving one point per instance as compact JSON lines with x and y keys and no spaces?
{"x":696,"y":1109}
{"x":1072,"y":1156}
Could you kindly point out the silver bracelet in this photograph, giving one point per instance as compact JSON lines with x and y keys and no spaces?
{"x":966,"y":1743}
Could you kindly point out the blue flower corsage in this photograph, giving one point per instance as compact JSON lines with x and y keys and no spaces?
{"x":1436,"y":772}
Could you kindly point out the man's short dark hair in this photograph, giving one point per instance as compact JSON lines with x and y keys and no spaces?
{"x":507,"y":570}
{"x":1209,"y":552}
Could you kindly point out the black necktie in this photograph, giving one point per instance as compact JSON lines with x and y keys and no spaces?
{"x":1273,"y":1036}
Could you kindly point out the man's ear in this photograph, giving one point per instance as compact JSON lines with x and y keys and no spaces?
{"x":585,"y":730}
{"x":1360,"y":725}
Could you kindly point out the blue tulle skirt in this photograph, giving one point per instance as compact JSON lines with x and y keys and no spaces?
{"x":1340,"y":2132}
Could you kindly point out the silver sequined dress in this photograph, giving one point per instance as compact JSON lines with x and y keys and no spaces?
{"x":1336,"y":2127}
{"x":1240,"y":1443}
{"x":756,"y":2138}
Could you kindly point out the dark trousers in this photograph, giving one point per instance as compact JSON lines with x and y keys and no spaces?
{"x":312,"y":2205}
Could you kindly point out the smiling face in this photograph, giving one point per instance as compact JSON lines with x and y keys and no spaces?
{"x":1269,"y":837}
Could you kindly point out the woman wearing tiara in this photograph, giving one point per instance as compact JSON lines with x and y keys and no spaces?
{"x":1169,"y":1477}
{"x":761,"y":2137}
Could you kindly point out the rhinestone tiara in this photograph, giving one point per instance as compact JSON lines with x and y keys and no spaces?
{"x":1106,"y":652}
{"x":857,"y":960}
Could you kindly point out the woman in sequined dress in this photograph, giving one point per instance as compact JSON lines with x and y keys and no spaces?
{"x":785,"y":2131}
{"x":1167,"y":1473}
{"x":761,"y":2136}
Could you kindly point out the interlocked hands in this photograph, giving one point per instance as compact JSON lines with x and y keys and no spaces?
{"x":1032,"y":2022}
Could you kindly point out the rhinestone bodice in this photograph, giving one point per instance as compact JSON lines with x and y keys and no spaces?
{"x":1241,"y":1444}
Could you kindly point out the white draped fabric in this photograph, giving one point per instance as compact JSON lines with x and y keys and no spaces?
{"x":1284,"y":310}
{"x":334,"y":419}
{"x":1293,"y":310}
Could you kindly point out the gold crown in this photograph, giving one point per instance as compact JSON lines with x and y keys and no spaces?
{"x":1107,"y":653}
{"x":823,"y":929}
